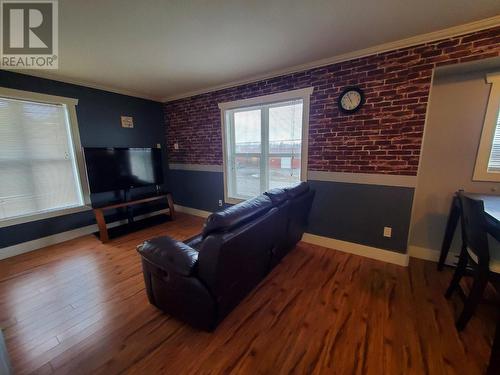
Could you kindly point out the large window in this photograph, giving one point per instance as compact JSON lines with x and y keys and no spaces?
{"x":39,"y":157}
{"x":488,"y":157}
{"x":265,"y":143}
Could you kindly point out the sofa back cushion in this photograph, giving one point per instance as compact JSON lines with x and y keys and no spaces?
{"x":236,"y":215}
{"x":230,"y":264}
{"x":298,"y":217}
{"x":297,"y":189}
{"x":277,"y":195}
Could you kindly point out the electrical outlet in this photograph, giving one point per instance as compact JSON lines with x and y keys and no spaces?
{"x":176,"y":146}
{"x":388,"y":232}
{"x":220,"y":202}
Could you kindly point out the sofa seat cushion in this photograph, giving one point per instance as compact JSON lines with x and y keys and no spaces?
{"x":297,"y":189}
{"x":237,"y":215}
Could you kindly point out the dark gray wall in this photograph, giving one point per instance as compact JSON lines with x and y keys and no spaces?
{"x":99,"y":124}
{"x":358,"y":213}
{"x":350,"y":212}
{"x":197,"y":189}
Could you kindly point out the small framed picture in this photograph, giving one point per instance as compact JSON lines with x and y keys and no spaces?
{"x":127,"y":122}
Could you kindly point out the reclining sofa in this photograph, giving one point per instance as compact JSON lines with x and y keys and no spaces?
{"x":202,"y":279}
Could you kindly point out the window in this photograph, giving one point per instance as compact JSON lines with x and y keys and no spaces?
{"x":488,"y":157}
{"x":40,"y":157}
{"x":265,"y":143}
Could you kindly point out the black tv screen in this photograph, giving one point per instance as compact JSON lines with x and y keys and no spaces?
{"x":111,"y":169}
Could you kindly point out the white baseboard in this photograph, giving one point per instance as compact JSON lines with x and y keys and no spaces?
{"x":331,"y":243}
{"x":451,"y":258}
{"x":357,"y":249}
{"x":192,"y":211}
{"x":429,"y":254}
{"x":27,"y":246}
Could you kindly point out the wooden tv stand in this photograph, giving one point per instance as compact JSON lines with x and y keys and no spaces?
{"x":99,"y":211}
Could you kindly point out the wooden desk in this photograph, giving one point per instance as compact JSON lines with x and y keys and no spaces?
{"x":101,"y":221}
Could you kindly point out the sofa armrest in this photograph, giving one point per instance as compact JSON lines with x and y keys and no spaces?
{"x":169,"y":254}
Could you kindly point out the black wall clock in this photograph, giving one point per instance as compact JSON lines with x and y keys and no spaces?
{"x":351,"y":99}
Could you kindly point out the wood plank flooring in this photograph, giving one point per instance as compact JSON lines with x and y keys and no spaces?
{"x":80,"y":308}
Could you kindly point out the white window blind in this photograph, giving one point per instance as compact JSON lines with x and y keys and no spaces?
{"x":38,"y":170}
{"x":494,"y":160}
{"x":264,"y":147}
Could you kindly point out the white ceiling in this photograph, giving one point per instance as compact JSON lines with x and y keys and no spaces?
{"x":161,"y":49}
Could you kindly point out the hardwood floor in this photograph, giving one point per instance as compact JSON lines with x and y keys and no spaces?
{"x":81,"y":307}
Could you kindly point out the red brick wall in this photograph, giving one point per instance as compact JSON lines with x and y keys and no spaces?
{"x":383,"y":137}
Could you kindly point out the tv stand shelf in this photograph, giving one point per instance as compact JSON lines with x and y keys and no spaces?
{"x":101,"y":221}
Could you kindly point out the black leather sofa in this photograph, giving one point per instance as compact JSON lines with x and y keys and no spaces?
{"x":202,"y":279}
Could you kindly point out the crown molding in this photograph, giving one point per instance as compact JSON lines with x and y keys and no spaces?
{"x":385,"y":47}
{"x":54,"y":77}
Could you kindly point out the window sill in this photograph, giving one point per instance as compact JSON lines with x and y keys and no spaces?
{"x":481,"y":176}
{"x":42,"y":215}
{"x":229,"y":200}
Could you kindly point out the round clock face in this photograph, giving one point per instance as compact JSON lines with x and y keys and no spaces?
{"x":351,"y":99}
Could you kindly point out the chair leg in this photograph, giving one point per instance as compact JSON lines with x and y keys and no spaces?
{"x":459,"y":273}
{"x":474,"y":297}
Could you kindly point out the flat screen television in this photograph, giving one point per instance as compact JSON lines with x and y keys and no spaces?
{"x":110,"y":169}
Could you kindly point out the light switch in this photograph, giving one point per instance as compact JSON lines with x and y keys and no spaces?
{"x":176,"y":146}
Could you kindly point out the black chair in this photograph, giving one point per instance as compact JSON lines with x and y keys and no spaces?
{"x":474,"y":253}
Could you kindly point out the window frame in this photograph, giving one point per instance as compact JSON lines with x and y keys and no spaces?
{"x":70,"y":106}
{"x":488,"y":132}
{"x":227,"y":108}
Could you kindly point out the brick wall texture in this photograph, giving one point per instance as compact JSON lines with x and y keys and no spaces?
{"x":383,"y":137}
